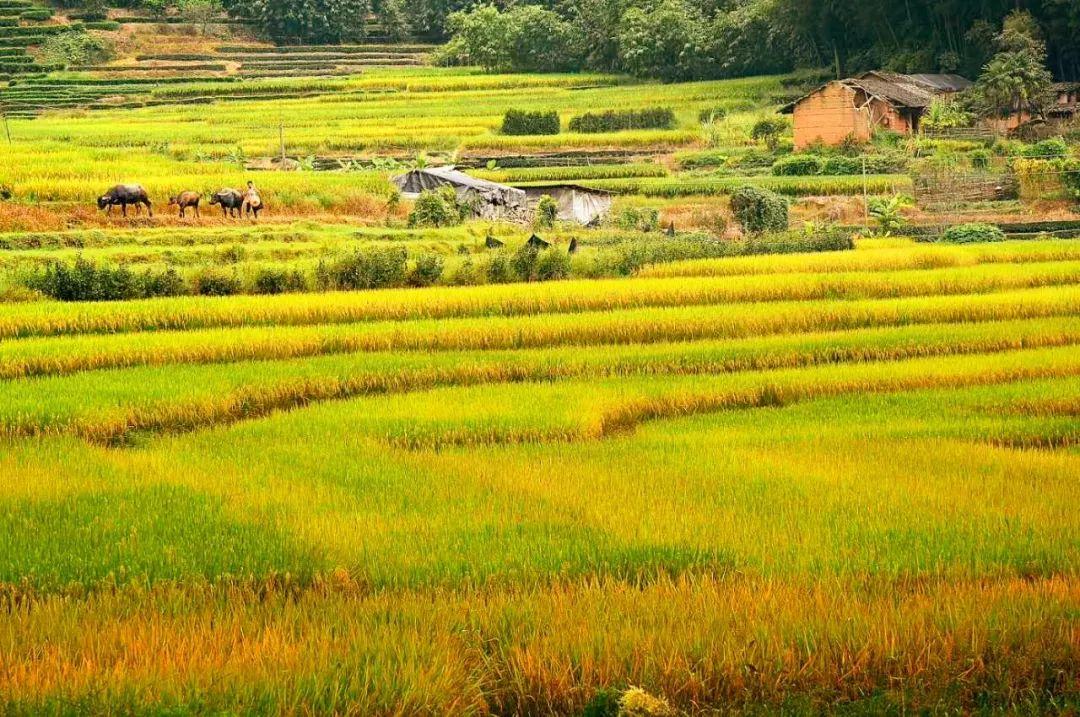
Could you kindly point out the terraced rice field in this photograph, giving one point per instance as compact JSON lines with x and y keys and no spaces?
{"x":767,"y":483}
{"x":173,"y":134}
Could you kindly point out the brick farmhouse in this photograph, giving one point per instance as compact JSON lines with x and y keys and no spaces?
{"x":855,"y":107}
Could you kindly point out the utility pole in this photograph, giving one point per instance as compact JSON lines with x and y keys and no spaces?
{"x":865,"y":195}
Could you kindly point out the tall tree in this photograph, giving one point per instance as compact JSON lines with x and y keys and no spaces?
{"x":1016,"y":80}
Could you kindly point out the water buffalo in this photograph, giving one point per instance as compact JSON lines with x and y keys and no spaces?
{"x":184,"y":200}
{"x":125,"y":194}
{"x":230,"y":200}
{"x":253,"y":203}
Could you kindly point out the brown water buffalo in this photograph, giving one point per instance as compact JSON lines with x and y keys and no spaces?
{"x":230,"y":200}
{"x":125,"y":194}
{"x":253,"y":203}
{"x":184,"y":200}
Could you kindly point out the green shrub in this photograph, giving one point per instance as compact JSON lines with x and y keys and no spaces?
{"x":278,"y":280}
{"x":1070,"y":177}
{"x":160,"y":283}
{"x":436,"y":209}
{"x":699,"y":160}
{"x":605,"y":703}
{"x":646,"y":219}
{"x":76,"y":48}
{"x":523,"y":263}
{"x":887,"y":212}
{"x":426,"y":271}
{"x":547,"y":211}
{"x":980,"y":159}
{"x":613,"y":121}
{"x":712,"y":114}
{"x":972,"y":233}
{"x":841,"y":165}
{"x":769,"y":131}
{"x":798,"y":165}
{"x":552,"y":265}
{"x":85,"y":281}
{"x":759,"y":210}
{"x":369,"y":268}
{"x":1048,"y":149}
{"x":213,"y":282}
{"x":499,"y":271}
{"x":37,"y":14}
{"x":751,"y":159}
{"x":521,"y":122}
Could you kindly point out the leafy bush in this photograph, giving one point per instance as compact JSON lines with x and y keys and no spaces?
{"x":1048,"y":149}
{"x":946,"y":114}
{"x":38,"y":14}
{"x":427,"y":270}
{"x":547,"y":211}
{"x":523,"y":263}
{"x":972,"y":233}
{"x":499,"y":271}
{"x":160,"y":283}
{"x":278,"y":280}
{"x":522,"y":122}
{"x":887,"y":213}
{"x":712,"y":114}
{"x":436,"y":209}
{"x":76,"y":48}
{"x":1070,"y":177}
{"x":85,"y":281}
{"x":759,"y":210}
{"x":798,"y":165}
{"x":646,"y":219}
{"x":840,"y":165}
{"x":614,"y":121}
{"x":980,"y":159}
{"x":212,"y":282}
{"x":368,"y":268}
{"x":769,"y":131}
{"x":552,"y":265}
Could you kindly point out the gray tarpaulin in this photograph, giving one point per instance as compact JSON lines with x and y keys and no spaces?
{"x":576,"y":204}
{"x":488,"y":200}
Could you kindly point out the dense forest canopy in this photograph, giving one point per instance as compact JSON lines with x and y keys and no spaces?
{"x":685,"y":39}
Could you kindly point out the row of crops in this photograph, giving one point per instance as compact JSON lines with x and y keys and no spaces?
{"x":725,"y":488}
{"x":254,"y":61}
{"x":22,"y":25}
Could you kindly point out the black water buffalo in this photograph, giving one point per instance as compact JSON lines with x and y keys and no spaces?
{"x":125,"y":194}
{"x":230,"y":200}
{"x":186,"y":200}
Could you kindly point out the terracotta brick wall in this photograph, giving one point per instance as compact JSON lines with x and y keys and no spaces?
{"x":829,"y":116}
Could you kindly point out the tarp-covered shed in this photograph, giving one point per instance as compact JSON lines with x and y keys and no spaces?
{"x":576,"y":203}
{"x":489,"y":200}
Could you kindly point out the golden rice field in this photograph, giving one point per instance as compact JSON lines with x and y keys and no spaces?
{"x":842,"y":482}
{"x":56,"y":164}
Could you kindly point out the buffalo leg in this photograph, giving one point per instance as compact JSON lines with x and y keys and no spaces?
{"x":123,"y":208}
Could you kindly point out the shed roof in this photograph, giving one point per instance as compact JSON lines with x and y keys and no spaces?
{"x":942,"y":83}
{"x":433,"y":176}
{"x":901,"y":91}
